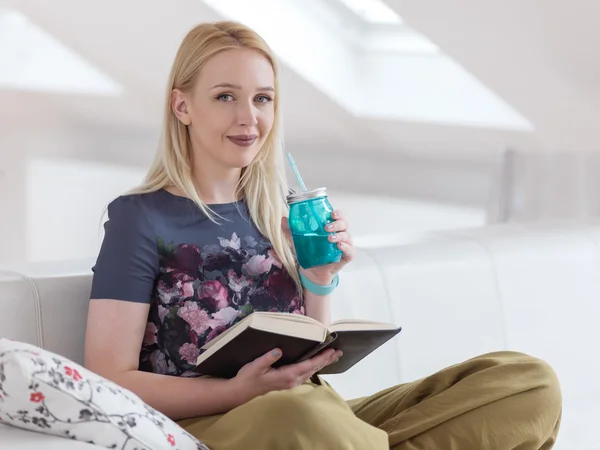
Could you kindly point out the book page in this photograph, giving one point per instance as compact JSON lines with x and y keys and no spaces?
{"x":291,"y":325}
{"x":360,"y":324}
{"x":276,"y":325}
{"x":289,"y":317}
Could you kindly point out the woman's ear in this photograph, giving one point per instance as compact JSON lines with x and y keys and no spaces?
{"x":180,"y":107}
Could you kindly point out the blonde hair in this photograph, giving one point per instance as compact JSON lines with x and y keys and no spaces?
{"x":263,"y":183}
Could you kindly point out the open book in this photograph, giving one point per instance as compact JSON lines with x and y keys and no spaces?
{"x":299,"y":338}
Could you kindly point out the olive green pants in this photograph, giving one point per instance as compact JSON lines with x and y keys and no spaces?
{"x":497,"y":401}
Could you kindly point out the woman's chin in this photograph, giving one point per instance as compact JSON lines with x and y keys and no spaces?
{"x":244,"y":160}
{"x":239,"y":163}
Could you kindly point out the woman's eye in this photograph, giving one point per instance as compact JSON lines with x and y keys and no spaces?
{"x":263,"y":99}
{"x":225,"y":97}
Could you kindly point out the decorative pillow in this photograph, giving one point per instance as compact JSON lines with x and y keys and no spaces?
{"x":45,"y":392}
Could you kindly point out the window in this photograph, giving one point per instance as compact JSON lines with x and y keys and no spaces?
{"x":32,"y":59}
{"x":373,"y":11}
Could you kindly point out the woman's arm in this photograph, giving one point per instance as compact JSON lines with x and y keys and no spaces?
{"x":114,"y":335}
{"x":126,"y":270}
{"x":115,"y":330}
{"x":318,"y":306}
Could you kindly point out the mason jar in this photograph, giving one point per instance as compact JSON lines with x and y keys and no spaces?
{"x":310,"y":211}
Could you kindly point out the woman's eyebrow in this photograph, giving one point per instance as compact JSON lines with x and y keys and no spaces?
{"x":235,"y":86}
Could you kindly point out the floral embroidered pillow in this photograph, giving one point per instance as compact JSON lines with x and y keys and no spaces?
{"x":44,"y":392}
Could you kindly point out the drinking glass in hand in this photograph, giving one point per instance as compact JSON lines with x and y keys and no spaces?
{"x":310,"y":212}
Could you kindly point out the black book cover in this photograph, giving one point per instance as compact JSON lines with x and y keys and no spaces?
{"x":355,"y":345}
{"x":253,"y":343}
{"x":249,"y":345}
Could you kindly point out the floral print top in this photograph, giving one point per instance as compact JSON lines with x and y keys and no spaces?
{"x":198,"y":277}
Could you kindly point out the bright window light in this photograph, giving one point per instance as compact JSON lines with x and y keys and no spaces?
{"x":32,"y":59}
{"x":373,"y":11}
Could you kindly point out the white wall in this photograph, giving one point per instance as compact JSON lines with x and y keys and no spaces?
{"x":56,"y":209}
{"x":16,"y":146}
{"x":432,"y":89}
{"x":547,"y":186}
{"x":379,"y":221}
{"x":13,"y":237}
{"x":57,"y":179}
{"x":67,"y":198}
{"x":53,"y":189}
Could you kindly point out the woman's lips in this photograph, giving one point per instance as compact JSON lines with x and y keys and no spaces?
{"x":243,"y":140}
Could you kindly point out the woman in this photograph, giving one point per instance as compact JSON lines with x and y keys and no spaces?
{"x":204,"y":242}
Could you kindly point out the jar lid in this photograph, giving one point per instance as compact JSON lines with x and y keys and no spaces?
{"x":301,"y":196}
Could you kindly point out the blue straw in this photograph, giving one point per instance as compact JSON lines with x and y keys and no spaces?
{"x":296,"y":172}
{"x":316,"y":216}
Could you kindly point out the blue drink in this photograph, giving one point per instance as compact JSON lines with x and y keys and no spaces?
{"x":310,"y":211}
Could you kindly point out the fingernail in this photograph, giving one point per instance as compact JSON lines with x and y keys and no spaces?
{"x":276,"y":353}
{"x":334,"y":237}
{"x":329,"y":227}
{"x":335,"y":360}
{"x":340,"y":355}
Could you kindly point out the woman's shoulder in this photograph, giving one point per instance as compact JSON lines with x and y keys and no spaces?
{"x":139,"y":212}
{"x":142,"y":206}
{"x":136,"y":200}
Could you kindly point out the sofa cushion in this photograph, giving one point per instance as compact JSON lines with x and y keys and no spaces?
{"x":19,"y":297}
{"x":44,"y":392}
{"x":51,"y":300}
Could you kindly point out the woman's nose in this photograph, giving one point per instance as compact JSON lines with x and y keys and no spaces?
{"x":247,"y":114}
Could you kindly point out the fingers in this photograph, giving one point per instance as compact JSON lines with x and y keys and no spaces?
{"x":300,"y":372}
{"x":331,"y":359}
{"x":264,"y":363}
{"x":347,"y":251}
{"x":287,"y":377}
{"x":338,"y":225}
{"x":341,"y":237}
{"x":322,"y":360}
{"x":339,"y":228}
{"x":316,"y":363}
{"x":337,"y":215}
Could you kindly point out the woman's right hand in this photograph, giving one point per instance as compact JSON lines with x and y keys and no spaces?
{"x":258,"y":377}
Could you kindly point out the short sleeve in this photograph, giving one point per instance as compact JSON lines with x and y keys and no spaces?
{"x":127,"y":264}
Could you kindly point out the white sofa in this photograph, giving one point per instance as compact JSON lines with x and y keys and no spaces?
{"x":534,"y":289}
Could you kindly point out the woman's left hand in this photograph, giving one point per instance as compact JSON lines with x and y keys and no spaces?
{"x":323,"y":275}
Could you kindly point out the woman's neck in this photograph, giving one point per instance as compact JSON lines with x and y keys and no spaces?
{"x":216,"y":184}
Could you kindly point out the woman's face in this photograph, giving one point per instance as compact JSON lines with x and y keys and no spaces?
{"x":230,"y":110}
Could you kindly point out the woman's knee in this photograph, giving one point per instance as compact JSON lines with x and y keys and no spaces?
{"x":538,"y":378}
{"x":547,"y":380}
{"x":537,"y":369}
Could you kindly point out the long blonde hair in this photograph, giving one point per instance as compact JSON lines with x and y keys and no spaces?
{"x":263,"y":183}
